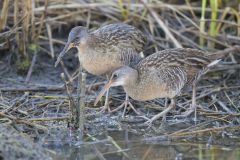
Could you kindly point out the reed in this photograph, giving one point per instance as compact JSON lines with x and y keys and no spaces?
{"x":31,"y":25}
{"x":4,"y":14}
{"x":236,"y":16}
{"x":213,"y":23}
{"x":202,"y":23}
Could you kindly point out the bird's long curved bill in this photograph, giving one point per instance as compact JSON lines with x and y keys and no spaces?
{"x":102,"y":92}
{"x":65,"y":49}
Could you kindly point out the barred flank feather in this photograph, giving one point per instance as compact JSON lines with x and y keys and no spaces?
{"x":178,"y":68}
{"x":163,"y":74}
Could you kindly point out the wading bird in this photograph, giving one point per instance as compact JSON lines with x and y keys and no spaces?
{"x":163,"y":74}
{"x":105,"y":49}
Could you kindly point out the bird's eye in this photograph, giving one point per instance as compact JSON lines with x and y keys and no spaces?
{"x":114,"y":76}
{"x":76,"y":40}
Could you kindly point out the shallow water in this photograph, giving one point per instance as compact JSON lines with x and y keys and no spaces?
{"x":122,"y":145}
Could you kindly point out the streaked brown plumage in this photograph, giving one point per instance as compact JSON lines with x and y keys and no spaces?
{"x":107,"y":48}
{"x":163,"y":74}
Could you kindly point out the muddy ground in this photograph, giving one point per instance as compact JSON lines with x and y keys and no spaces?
{"x":40,"y":110}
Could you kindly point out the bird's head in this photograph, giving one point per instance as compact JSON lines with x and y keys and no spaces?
{"x":76,"y":36}
{"x":120,"y":77}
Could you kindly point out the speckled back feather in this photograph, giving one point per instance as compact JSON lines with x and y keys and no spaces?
{"x":179,"y":67}
{"x":120,"y":38}
{"x":121,"y":35}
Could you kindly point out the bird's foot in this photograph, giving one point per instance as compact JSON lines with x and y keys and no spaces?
{"x":124,"y":105}
{"x":154,"y":118}
{"x":105,"y":108}
{"x":148,"y":123}
{"x":161,"y":114}
{"x":189,"y":112}
{"x":185,"y":114}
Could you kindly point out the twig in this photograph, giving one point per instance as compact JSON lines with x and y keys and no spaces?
{"x":119,"y":149}
{"x":225,"y":67}
{"x":43,"y":16}
{"x":225,"y":52}
{"x":81,"y":89}
{"x":82,"y":101}
{"x":211,"y":91}
{"x":49,"y":119}
{"x":57,"y":41}
{"x":71,"y":101}
{"x":33,"y":89}
{"x":44,"y":88}
{"x":31,"y":67}
{"x":74,"y":6}
{"x":49,"y":32}
{"x":77,"y":124}
{"x":16,"y":102}
{"x":18,"y":120}
{"x":134,"y":5}
{"x":188,"y":40}
{"x":98,"y":153}
{"x":4,"y":14}
{"x":224,"y":107}
{"x":65,"y":70}
{"x":146,"y":154}
{"x":204,"y":130}
{"x":163,"y":26}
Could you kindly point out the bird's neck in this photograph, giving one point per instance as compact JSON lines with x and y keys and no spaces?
{"x":83,"y":45}
{"x":132,"y":87}
{"x":93,"y":39}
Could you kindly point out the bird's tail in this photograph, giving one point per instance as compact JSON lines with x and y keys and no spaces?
{"x":213,"y":63}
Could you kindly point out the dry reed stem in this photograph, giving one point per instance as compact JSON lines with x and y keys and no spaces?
{"x":49,"y":32}
{"x":160,"y":5}
{"x":49,"y":119}
{"x":98,"y":153}
{"x":118,"y":147}
{"x":174,"y":18}
{"x":33,"y":29}
{"x":72,"y":104}
{"x":112,"y":11}
{"x":15,"y":20}
{"x":82,"y":101}
{"x":179,"y":134}
{"x":18,"y":120}
{"x":27,"y":7}
{"x":4,"y":14}
{"x":43,"y":18}
{"x":30,"y":70}
{"x":164,"y":27}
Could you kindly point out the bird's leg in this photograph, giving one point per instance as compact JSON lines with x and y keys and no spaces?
{"x":106,"y":103}
{"x":125,"y":104}
{"x":163,"y":113}
{"x":193,"y":106}
{"x":165,"y":105}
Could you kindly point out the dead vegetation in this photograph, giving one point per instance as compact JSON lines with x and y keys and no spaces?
{"x":28,"y":28}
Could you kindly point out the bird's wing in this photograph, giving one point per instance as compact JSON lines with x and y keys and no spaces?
{"x":190,"y":61}
{"x":122,"y":36}
{"x":123,"y":39}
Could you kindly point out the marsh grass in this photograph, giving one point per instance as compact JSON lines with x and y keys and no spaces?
{"x":4,"y":14}
{"x":31,"y":26}
{"x":28,"y":21}
{"x":213,"y":23}
{"x":202,"y":22}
